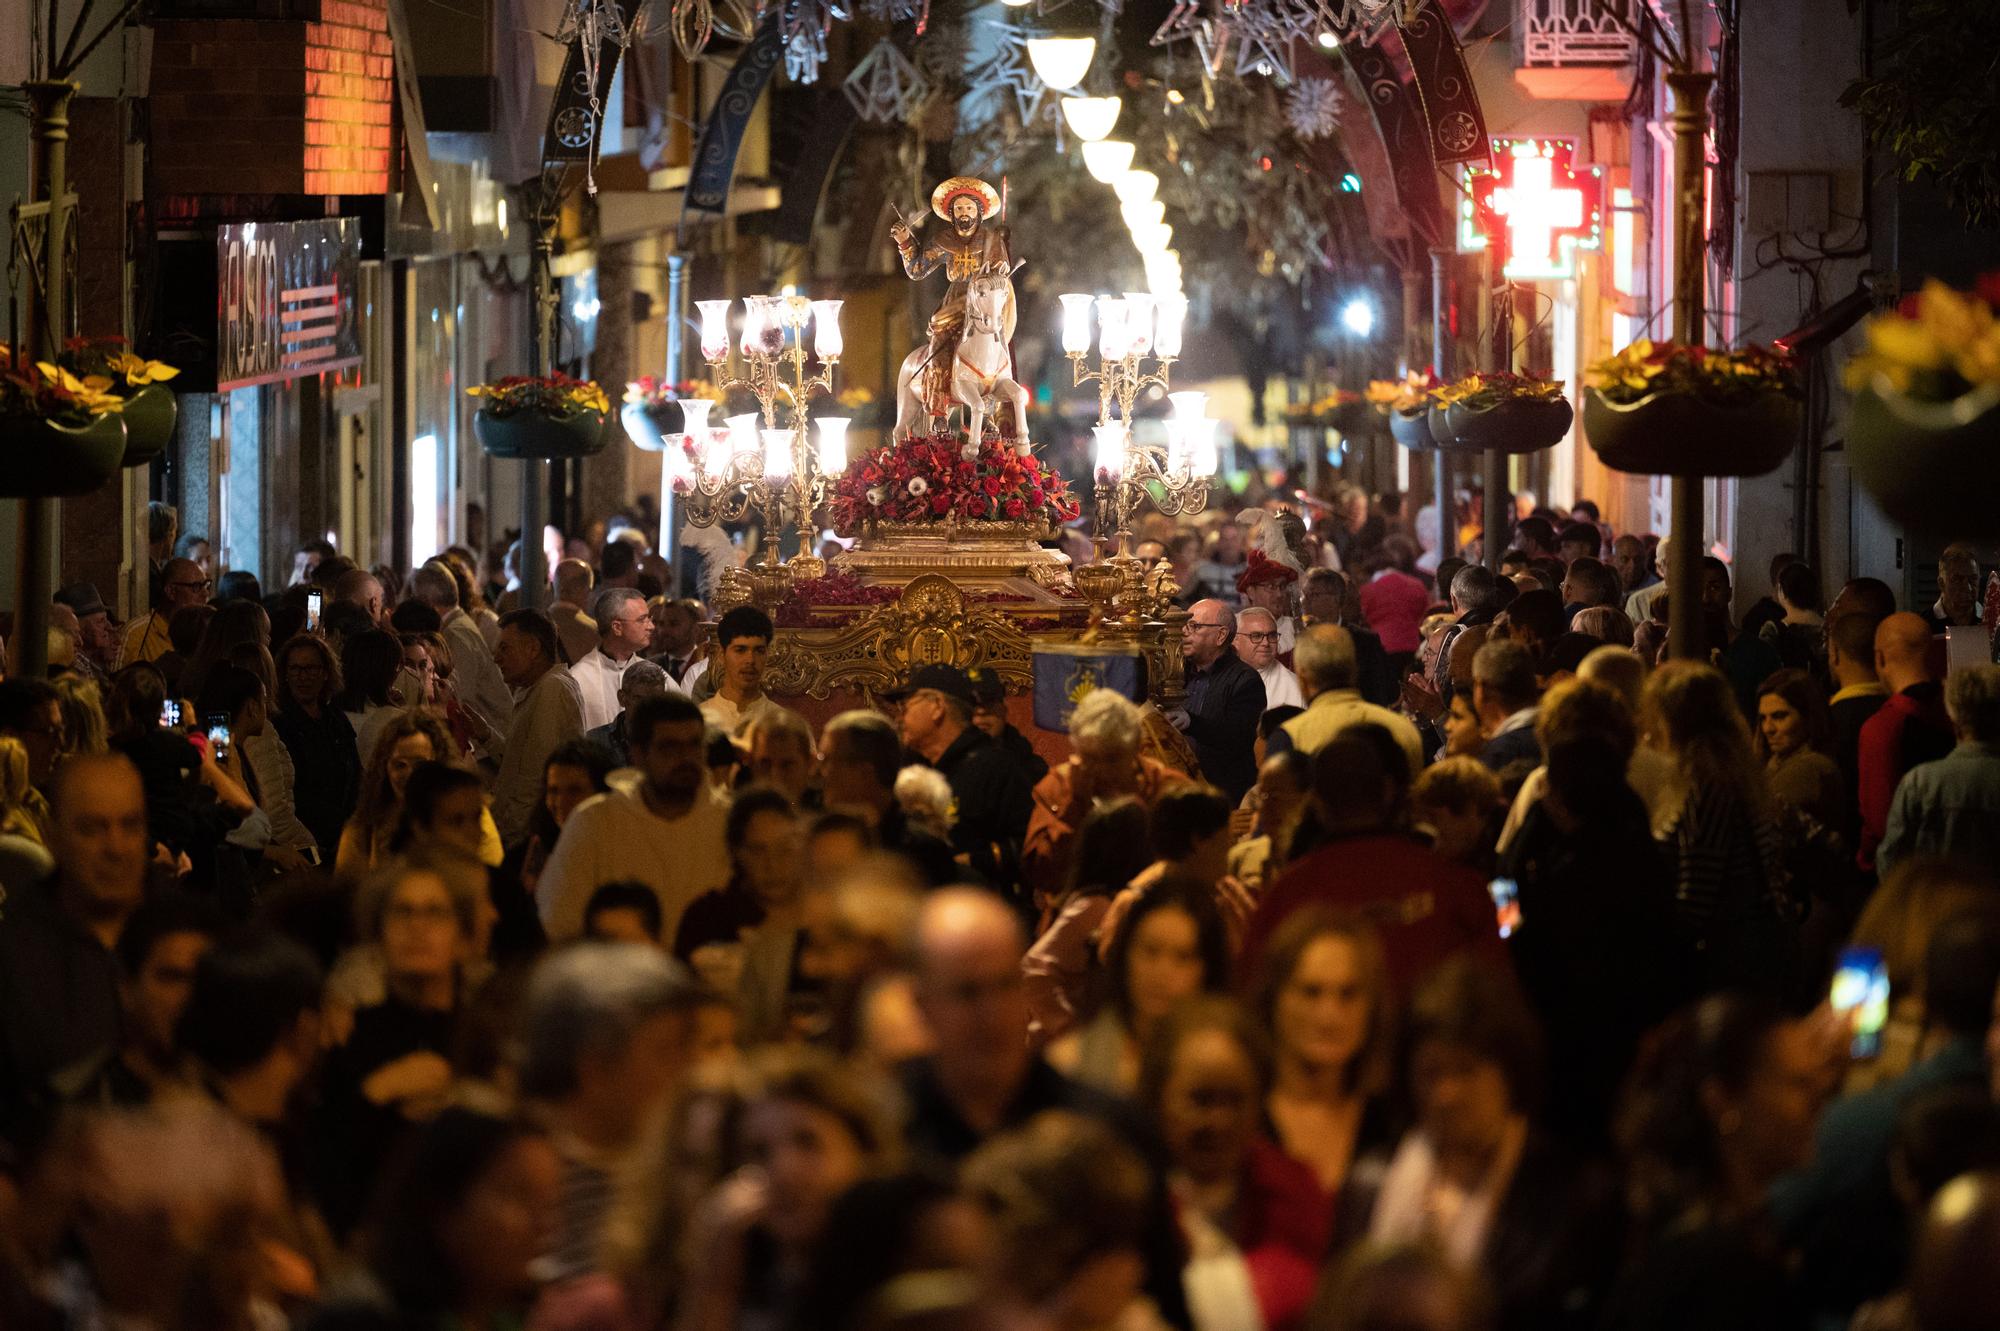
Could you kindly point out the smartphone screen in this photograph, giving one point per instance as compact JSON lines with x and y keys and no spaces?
{"x":1861,"y":987}
{"x":170,"y":713}
{"x":218,"y":736}
{"x":314,"y":600}
{"x":1506,"y":904}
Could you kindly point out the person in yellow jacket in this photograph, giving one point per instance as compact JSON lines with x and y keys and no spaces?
{"x":182,"y":584}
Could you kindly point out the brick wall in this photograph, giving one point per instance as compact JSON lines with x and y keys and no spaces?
{"x":274,"y":106}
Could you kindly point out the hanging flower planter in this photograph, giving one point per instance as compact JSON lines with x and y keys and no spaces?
{"x":1517,"y":425}
{"x":150,"y":415}
{"x":1934,"y":467}
{"x":1440,"y":427}
{"x":1924,"y":438}
{"x":47,"y":459}
{"x":1413,"y":430}
{"x":151,"y":408}
{"x":541,"y":417}
{"x":653,"y":410}
{"x":1660,"y":409}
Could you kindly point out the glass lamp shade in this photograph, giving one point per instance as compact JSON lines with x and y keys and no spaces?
{"x":826,"y":329}
{"x":1091,"y":118}
{"x":1202,"y":459}
{"x":1138,"y":323}
{"x":1152,"y":238}
{"x":714,"y":329}
{"x":751,"y":340}
{"x":832,"y":445}
{"x":1076,"y":323}
{"x":777,"y":453}
{"x":1176,"y":444}
{"x":1136,"y":186}
{"x":1110,"y":328}
{"x":1167,"y":324}
{"x":1061,"y":62}
{"x":1147,"y":212}
{"x":694,"y":415}
{"x":742,"y":436}
{"x":797,"y":309}
{"x":1109,"y":460}
{"x":1188,"y":405}
{"x":1108,"y":160}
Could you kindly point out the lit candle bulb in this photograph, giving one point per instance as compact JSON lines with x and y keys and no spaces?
{"x":832,"y":445}
{"x":826,"y":330}
{"x":1110,"y":459}
{"x":777,"y":453}
{"x":714,"y":330}
{"x":1076,"y":323}
{"x":742,"y":436}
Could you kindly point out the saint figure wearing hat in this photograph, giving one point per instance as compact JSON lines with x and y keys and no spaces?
{"x":971,"y":245}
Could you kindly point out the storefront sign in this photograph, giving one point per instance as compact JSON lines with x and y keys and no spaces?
{"x":286,"y":300}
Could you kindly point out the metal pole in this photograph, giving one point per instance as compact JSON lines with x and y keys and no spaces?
{"x":1440,"y":356}
{"x":1690,"y":90}
{"x":534,"y":472}
{"x":668,"y":548}
{"x":48,"y":178}
{"x":1498,"y":500}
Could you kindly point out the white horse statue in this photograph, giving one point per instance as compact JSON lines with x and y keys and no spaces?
{"x":982,"y":375}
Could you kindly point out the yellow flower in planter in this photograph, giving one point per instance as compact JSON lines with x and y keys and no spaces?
{"x":92,"y":393}
{"x":139,"y":371}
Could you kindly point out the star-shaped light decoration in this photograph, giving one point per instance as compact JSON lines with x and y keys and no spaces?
{"x":885,"y":87}
{"x":1312,"y":108}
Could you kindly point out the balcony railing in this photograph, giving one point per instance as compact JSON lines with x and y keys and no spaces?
{"x":1556,"y":34}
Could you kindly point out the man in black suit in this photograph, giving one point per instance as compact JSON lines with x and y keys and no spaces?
{"x":1224,"y":699}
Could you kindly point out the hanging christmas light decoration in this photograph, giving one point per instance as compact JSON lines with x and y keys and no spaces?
{"x":885,"y":88}
{"x":592,"y":26}
{"x":1312,"y":108}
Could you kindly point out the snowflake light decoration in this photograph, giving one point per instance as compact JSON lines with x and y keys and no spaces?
{"x":1312,"y":108}
{"x":885,"y":87}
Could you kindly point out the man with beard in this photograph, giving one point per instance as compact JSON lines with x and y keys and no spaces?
{"x":664,"y":830}
{"x":965,"y":251}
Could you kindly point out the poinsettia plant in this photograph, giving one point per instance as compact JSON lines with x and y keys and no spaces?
{"x":112,"y":359}
{"x":48,"y":391}
{"x":1480,"y":392}
{"x":1408,"y":395}
{"x":931,"y":478}
{"x":1648,"y":367}
{"x":650,"y":391}
{"x":540,"y":395}
{"x":1938,"y":345}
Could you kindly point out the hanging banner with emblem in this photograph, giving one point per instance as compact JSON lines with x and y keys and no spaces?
{"x":1405,"y":142}
{"x":1457,"y":129}
{"x":576,"y":115}
{"x":722,"y":132}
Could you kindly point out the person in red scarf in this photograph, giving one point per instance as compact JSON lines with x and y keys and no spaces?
{"x":1268,"y":584}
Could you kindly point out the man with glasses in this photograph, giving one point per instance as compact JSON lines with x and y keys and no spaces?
{"x":1257,"y":631}
{"x":1224,"y":699}
{"x":623,"y":630}
{"x":183,"y":586}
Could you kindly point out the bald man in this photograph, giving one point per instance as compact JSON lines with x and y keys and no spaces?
{"x":1224,"y":699}
{"x":984,"y":1078}
{"x":1951,"y":1269}
{"x":575,"y":626}
{"x":1910,"y":728}
{"x":182,"y":584}
{"x":58,"y":978}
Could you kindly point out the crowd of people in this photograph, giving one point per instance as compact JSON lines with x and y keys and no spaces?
{"x":382,"y":954}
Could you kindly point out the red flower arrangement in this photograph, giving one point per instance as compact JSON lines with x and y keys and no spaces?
{"x":931,"y":478}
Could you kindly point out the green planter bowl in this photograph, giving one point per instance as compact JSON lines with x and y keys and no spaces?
{"x":1680,"y":434}
{"x":47,"y":460}
{"x":149,"y":415}
{"x":1412,"y":431}
{"x":1934,"y":467}
{"x":1440,"y":427}
{"x":529,"y":434}
{"x":1517,"y":425}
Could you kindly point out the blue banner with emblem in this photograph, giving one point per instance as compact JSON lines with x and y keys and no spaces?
{"x":1063,"y":675}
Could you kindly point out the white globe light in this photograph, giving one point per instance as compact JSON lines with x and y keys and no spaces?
{"x":1358,"y":317}
{"x":1136,"y":186}
{"x":1091,"y":118}
{"x":1107,"y":160}
{"x":1061,"y":62}
{"x":1137,"y":215}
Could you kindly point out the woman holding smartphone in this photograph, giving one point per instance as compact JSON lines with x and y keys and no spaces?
{"x":318,"y":736}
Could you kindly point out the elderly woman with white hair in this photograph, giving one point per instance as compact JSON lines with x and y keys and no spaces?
{"x":1105,"y":735}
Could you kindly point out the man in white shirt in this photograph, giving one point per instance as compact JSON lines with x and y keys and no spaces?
{"x":474,"y":677}
{"x":665,"y":831}
{"x":1257,"y":643}
{"x":743,"y":642}
{"x":623,"y":629}
{"x":548,"y":713}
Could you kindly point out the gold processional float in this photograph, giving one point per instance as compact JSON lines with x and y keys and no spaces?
{"x":947,"y":517}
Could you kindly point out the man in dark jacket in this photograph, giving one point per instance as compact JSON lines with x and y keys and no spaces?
{"x":989,"y":713}
{"x":994,"y":800}
{"x":1224,"y":699}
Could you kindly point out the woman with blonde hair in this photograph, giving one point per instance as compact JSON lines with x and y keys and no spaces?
{"x":84,"y":728}
{"x":23,"y":811}
{"x":412,"y":738}
{"x":1716,"y":826}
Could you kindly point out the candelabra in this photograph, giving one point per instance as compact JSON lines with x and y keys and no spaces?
{"x":746,"y":466}
{"x":1176,"y":475}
